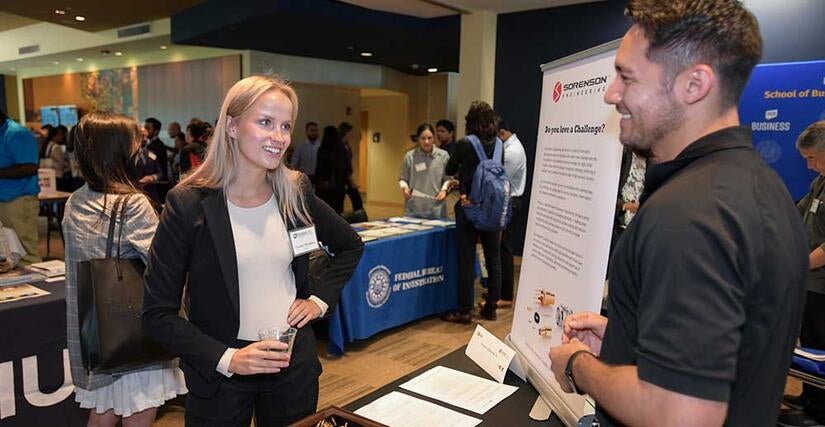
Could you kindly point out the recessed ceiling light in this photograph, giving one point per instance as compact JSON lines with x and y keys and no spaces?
{"x":164,"y":47}
{"x":59,"y":12}
{"x":79,"y":18}
{"x":366,"y":54}
{"x":414,"y":66}
{"x":12,"y":68}
{"x":118,"y":53}
{"x":55,"y":62}
{"x":79,"y":59}
{"x":432,"y":70}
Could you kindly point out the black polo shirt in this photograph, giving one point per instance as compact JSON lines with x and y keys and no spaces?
{"x":708,"y":281}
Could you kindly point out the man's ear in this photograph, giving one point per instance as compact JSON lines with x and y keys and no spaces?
{"x":695,"y":83}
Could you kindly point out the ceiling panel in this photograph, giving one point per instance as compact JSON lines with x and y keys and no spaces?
{"x":100,"y":14}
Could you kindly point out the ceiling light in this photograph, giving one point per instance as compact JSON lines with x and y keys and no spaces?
{"x":12,"y":68}
{"x":432,"y":70}
{"x":79,"y":59}
{"x":414,"y":66}
{"x":55,"y":62}
{"x":366,"y":54}
{"x":163,"y":47}
{"x":118,"y":53}
{"x":59,"y":12}
{"x":79,"y":18}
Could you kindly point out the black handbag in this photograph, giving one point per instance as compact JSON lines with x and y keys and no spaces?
{"x":110,"y":301}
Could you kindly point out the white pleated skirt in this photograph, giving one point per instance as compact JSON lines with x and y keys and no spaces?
{"x":135,"y":392}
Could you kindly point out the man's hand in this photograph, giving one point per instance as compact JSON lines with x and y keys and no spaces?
{"x":262,"y":357}
{"x":558,"y":361}
{"x":406,"y":193}
{"x":587,"y":328}
{"x":148,"y":179}
{"x":441,"y":195}
{"x":5,"y":265}
{"x":302,"y":312}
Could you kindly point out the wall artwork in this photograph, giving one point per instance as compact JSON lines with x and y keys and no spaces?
{"x":111,"y":90}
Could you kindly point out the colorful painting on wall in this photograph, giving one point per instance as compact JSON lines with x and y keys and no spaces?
{"x":111,"y":90}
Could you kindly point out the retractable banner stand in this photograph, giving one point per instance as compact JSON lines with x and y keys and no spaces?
{"x":779,"y":102}
{"x":572,"y":206}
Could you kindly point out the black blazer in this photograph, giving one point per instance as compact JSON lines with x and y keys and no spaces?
{"x":194,"y":244}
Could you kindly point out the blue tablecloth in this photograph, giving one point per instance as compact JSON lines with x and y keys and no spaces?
{"x":398,"y":280}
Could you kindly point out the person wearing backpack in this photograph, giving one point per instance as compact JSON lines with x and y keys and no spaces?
{"x":483,"y":209}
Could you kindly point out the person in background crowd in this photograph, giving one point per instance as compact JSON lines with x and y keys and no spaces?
{"x":482,"y":122}
{"x":147,"y":172}
{"x":708,"y":281}
{"x":305,"y":158}
{"x":422,"y":179}
{"x":344,"y":132}
{"x":11,"y":250}
{"x":197,"y":133}
{"x":179,"y":139}
{"x":810,"y":405}
{"x":515,"y":164}
{"x":445,"y":133}
{"x":19,"y":205}
{"x":54,"y":157}
{"x":42,"y":137}
{"x":331,"y":170}
{"x":105,"y":144}
{"x":156,"y":146}
{"x":224,"y":231}
{"x":74,"y":166}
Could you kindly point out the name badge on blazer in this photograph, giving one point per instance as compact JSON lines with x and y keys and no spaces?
{"x":815,"y":206}
{"x":303,"y":240}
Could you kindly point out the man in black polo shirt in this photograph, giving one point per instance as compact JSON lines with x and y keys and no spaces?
{"x":707,"y":282}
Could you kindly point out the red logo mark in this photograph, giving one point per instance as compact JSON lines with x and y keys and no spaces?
{"x":557,"y":92}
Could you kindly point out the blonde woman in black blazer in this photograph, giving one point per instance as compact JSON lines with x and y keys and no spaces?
{"x":230,"y":375}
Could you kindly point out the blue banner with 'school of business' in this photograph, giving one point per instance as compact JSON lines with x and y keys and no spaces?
{"x":779,"y":102}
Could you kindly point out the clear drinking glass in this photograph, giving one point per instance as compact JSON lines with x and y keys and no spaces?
{"x":284,"y":334}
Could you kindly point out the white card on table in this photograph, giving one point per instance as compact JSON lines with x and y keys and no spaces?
{"x":490,"y":353}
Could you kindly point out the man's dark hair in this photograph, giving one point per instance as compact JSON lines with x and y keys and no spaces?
{"x":155,"y":123}
{"x":813,"y":137}
{"x":3,"y":116}
{"x":482,"y":121}
{"x":310,"y":124}
{"x":720,"y":33}
{"x":446,"y":124}
{"x":502,"y":125}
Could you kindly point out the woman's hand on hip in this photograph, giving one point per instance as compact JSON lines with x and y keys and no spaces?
{"x":302,"y":312}
{"x":262,"y":357}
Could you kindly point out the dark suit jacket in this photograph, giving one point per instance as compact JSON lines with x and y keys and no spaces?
{"x":194,"y":244}
{"x":157,"y":147}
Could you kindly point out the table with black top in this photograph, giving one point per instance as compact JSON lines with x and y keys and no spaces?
{"x":35,"y":385}
{"x":512,"y":411}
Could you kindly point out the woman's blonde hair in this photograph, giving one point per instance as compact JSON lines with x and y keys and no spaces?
{"x":220,"y":165}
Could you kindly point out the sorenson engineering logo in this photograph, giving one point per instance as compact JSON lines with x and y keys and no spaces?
{"x":578,"y":88}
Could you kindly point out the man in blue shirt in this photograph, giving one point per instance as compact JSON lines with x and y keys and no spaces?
{"x":18,"y":184}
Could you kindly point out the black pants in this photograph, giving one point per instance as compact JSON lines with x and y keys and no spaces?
{"x":274,"y":399}
{"x":813,"y":335}
{"x":491,"y":243}
{"x":355,"y":198}
{"x":334,"y":198}
{"x":508,"y":270}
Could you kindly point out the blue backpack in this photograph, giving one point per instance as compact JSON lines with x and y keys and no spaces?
{"x":490,"y":207}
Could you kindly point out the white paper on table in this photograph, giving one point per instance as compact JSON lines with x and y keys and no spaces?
{"x":400,"y":410}
{"x":406,"y":219}
{"x":490,"y":353}
{"x":439,"y":223}
{"x":459,"y":389}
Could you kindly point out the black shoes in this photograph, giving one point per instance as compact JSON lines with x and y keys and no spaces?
{"x":794,"y":402}
{"x":457,"y":317}
{"x":488,"y":313}
{"x":793,"y":418}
